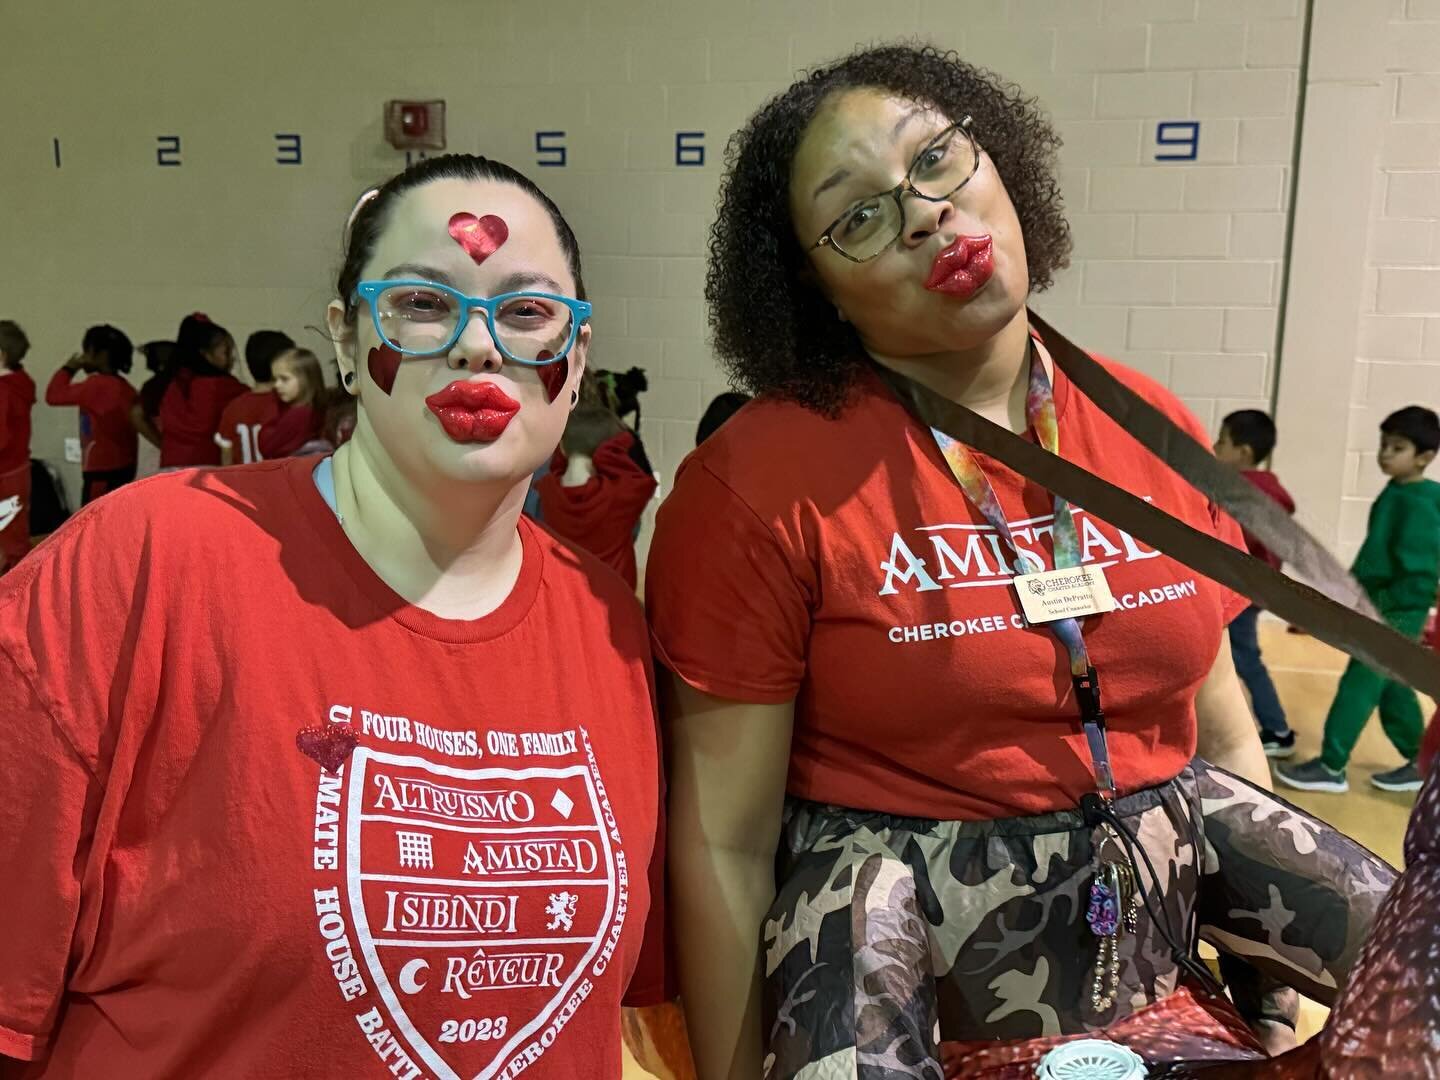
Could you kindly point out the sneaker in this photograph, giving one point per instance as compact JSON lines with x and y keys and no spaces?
{"x":1405,"y":778}
{"x":1278,"y":746}
{"x":1313,"y":775}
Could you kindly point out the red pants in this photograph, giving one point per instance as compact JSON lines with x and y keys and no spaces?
{"x":14,"y":516}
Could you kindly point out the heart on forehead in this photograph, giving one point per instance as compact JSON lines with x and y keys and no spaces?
{"x":329,"y":744}
{"x":480,"y":237}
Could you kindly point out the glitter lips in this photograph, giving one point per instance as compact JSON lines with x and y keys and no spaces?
{"x":963,"y":268}
{"x":472,"y":412}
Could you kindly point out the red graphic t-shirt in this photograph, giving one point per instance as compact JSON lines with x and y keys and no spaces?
{"x":241,"y":422}
{"x":107,"y":438}
{"x":837,"y":563}
{"x":267,"y":819}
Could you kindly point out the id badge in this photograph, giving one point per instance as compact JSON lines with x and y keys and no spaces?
{"x":1071,"y":593}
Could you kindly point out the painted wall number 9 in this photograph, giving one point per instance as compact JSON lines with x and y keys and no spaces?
{"x":1180,"y":137}
{"x":474,"y":1030}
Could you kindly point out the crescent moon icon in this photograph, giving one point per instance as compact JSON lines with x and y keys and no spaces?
{"x":408,"y":982}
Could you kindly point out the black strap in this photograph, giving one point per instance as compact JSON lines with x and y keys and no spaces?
{"x":1335,"y":619}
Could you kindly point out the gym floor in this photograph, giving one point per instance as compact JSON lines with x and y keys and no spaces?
{"x":1305,"y":673}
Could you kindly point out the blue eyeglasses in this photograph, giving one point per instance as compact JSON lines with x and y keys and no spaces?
{"x":422,"y":318}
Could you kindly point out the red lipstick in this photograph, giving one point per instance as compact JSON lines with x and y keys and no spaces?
{"x":473,"y":411}
{"x":963,"y":268}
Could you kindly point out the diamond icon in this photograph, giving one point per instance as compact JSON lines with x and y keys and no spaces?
{"x":562,"y":804}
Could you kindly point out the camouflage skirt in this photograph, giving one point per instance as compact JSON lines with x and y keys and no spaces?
{"x":891,"y":935}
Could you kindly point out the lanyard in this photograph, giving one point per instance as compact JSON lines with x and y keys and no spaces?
{"x":1040,"y":412}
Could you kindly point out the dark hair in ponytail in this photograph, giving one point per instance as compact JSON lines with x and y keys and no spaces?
{"x":119,"y":353}
{"x":369,"y":217}
{"x":197,"y":336}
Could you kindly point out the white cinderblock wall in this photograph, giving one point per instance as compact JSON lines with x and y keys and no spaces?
{"x":1398,"y":360}
{"x":1177,"y":264}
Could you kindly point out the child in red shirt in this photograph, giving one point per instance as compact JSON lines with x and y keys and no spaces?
{"x":197,"y":394}
{"x":300,"y":423}
{"x":392,"y":805}
{"x":1247,"y":438}
{"x":240,"y":423}
{"x":109,"y":444}
{"x":17,"y":398}
{"x":595,"y":491}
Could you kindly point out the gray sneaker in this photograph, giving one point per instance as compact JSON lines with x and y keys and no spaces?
{"x":1313,"y":775}
{"x":1405,"y":778}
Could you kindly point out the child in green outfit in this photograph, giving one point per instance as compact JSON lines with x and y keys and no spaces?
{"x":1398,"y":565}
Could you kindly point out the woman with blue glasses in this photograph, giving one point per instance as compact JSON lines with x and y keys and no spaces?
{"x":339,"y":767}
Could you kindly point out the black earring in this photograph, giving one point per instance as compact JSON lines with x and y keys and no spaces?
{"x":349,"y":379}
{"x":574,"y":398}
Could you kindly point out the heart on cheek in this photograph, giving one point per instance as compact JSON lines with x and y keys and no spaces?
{"x":384,"y":365}
{"x":480,"y":237}
{"x":553,"y":376}
{"x":329,"y":744}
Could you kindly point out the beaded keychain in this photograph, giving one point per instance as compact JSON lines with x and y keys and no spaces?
{"x":1114,"y":907}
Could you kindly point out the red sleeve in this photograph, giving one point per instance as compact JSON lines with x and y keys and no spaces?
{"x":63,"y":390}
{"x":226,"y":433}
{"x":68,"y":599}
{"x":733,"y":622}
{"x":630,"y":486}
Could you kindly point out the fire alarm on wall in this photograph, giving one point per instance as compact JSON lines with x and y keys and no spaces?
{"x":415,"y":125}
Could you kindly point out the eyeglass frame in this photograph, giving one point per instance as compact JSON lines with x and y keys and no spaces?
{"x":580,"y":312}
{"x":898,"y":194}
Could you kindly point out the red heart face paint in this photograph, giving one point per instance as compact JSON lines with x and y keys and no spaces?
{"x":384,"y":365}
{"x":553,"y":376}
{"x":480,"y":237}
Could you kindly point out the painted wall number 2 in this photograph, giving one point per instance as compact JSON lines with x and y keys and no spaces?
{"x":1180,"y":138}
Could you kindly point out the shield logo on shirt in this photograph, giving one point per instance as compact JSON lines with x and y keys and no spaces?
{"x":484,"y":903}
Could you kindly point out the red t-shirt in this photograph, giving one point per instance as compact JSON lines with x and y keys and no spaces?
{"x":107,"y":438}
{"x":600,"y":515}
{"x":837,"y":563}
{"x":241,"y":422}
{"x":17,"y":398}
{"x":1270,"y":484}
{"x":189,"y":894}
{"x":190,"y":417}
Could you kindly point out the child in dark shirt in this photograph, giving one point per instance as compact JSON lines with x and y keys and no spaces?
{"x":1246,"y":441}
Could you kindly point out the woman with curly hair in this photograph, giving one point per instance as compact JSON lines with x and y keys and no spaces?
{"x":937,"y":861}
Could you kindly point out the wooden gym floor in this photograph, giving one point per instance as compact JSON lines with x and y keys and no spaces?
{"x":1305,"y":673}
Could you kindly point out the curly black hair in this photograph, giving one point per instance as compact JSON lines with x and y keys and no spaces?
{"x":774,"y":331}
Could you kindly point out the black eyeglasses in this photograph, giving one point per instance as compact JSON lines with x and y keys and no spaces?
{"x":869,"y":226}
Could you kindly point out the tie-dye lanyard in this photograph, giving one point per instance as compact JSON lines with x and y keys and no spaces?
{"x":1040,"y":411}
